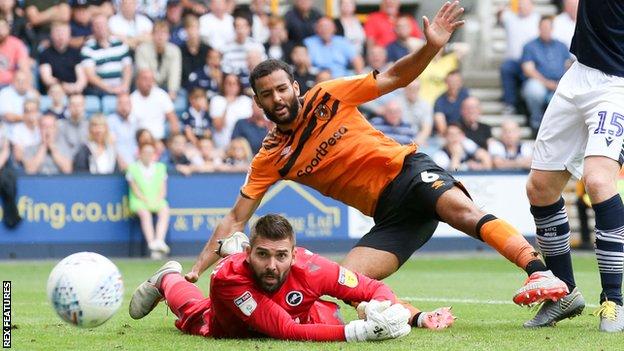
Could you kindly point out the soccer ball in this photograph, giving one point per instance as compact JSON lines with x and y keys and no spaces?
{"x":85,"y":289}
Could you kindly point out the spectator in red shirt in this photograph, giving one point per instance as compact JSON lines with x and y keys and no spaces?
{"x":380,"y":25}
{"x":20,"y":27}
{"x":13,"y":54}
{"x":273,"y":289}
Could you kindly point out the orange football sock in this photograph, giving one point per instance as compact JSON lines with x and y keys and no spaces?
{"x":506,"y":239}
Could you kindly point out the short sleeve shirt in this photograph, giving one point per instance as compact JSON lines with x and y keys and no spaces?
{"x":331,"y":147}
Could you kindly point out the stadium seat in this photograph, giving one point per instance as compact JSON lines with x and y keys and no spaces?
{"x":35,"y":76}
{"x":45,"y":102}
{"x":180,"y":104}
{"x":92,"y":105}
{"x":109,"y":104}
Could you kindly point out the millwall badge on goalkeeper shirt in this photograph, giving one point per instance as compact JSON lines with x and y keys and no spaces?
{"x":347,"y":278}
{"x":294,"y":298}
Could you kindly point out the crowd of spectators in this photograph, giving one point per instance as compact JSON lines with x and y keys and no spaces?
{"x":537,"y":56}
{"x":85,"y":83}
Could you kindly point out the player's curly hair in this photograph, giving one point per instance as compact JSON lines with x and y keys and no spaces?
{"x":267,"y":67}
{"x":272,"y":227}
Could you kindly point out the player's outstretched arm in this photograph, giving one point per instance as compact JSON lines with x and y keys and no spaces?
{"x":234,"y":221}
{"x":266,"y":317}
{"x":437,"y":32}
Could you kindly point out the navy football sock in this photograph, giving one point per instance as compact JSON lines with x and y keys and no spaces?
{"x":610,"y":247}
{"x":553,"y":239}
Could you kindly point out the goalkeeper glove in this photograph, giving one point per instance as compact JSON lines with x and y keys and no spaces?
{"x":233,"y":244}
{"x":388,"y":324}
{"x":364,"y":307}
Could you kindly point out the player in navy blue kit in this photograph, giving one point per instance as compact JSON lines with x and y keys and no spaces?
{"x":582,"y":135}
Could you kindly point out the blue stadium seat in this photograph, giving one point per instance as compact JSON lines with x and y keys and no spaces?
{"x":44,"y":103}
{"x":35,"y":76}
{"x":109,"y":104}
{"x":92,"y":105}
{"x":180,"y":104}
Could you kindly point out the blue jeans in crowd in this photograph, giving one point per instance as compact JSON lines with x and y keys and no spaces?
{"x":511,"y":77}
{"x":536,"y":96}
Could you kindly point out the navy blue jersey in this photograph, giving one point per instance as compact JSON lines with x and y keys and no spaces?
{"x":598,"y":40}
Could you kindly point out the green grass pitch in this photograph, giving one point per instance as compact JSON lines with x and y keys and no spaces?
{"x":479,"y":287}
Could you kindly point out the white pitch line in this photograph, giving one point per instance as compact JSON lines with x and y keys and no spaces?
{"x":467,"y":301}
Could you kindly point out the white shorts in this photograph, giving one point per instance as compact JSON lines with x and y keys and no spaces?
{"x":584,"y":118}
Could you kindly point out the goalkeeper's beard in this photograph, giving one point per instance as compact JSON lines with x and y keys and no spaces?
{"x":274,"y":284}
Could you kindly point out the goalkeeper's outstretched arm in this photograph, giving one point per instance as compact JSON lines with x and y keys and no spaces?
{"x":234,"y":221}
{"x":270,"y":319}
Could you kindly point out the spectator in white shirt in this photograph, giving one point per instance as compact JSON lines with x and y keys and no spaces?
{"x":26,"y":133}
{"x":235,"y":52}
{"x":13,"y":96}
{"x":122,"y":125}
{"x":520,"y":28}
{"x":217,"y":27}
{"x":227,"y":109}
{"x":277,"y":46}
{"x":349,"y":26}
{"x":154,"y":9}
{"x":417,"y":112}
{"x":511,"y":152}
{"x":261,"y":11}
{"x":98,"y":155}
{"x":565,"y":22}
{"x":153,"y":106}
{"x":129,"y":26}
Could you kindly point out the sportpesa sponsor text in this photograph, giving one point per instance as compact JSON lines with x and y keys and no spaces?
{"x":322,"y":151}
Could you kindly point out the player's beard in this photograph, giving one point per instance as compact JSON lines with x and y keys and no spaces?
{"x":293,"y":110}
{"x":279,"y":280}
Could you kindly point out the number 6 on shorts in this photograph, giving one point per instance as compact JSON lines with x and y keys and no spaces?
{"x":429,"y":177}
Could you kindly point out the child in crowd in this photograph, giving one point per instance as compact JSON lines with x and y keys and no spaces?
{"x":144,"y":136}
{"x":208,"y":159}
{"x":178,"y":155}
{"x":196,"y":119}
{"x":237,"y":156}
{"x":147,"y":180}
{"x":59,"y":102}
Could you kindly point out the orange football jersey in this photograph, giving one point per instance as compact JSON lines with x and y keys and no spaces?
{"x":332,"y":147}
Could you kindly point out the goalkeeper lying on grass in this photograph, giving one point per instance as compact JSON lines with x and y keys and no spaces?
{"x":273,"y":289}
